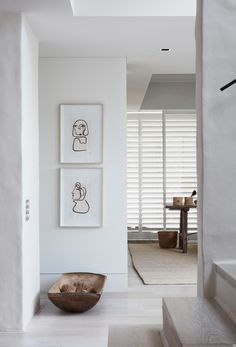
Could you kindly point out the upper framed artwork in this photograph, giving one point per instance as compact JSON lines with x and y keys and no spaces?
{"x":81,"y":133}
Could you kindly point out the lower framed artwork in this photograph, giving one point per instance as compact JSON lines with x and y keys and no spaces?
{"x":81,"y":197}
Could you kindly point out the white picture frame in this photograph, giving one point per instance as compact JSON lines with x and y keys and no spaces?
{"x":81,"y":197}
{"x":81,"y":133}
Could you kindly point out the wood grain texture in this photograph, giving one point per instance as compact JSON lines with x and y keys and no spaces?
{"x":77,"y":292}
{"x":227,"y":270}
{"x":51,"y":327}
{"x":183,"y":225}
{"x":134,"y":336}
{"x":172,"y":207}
{"x":225,"y":295}
{"x":138,"y":305}
{"x":198,"y":321}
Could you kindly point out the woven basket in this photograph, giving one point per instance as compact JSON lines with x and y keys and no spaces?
{"x":167,"y":239}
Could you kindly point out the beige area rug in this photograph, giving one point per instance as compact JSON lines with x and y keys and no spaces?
{"x":134,"y":336}
{"x":155,"y":265}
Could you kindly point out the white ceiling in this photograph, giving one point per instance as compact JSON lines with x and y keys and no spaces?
{"x":133,"y":8}
{"x":42,"y":6}
{"x":137,"y":38}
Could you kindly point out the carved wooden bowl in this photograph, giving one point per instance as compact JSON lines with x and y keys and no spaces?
{"x":77,"y":291}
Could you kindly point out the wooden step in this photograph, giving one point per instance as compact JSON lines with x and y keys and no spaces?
{"x":225,"y":288}
{"x":196,"y":322}
{"x":134,"y":336}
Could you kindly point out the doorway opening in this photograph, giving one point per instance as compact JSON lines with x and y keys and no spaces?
{"x":161,"y":165}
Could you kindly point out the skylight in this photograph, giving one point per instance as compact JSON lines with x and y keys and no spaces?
{"x":133,"y":8}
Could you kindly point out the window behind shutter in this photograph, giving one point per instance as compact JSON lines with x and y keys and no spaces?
{"x":161,"y":163}
{"x":151,"y":171}
{"x":133,"y":195}
{"x":180,"y":162}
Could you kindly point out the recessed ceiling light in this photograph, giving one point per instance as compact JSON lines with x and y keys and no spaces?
{"x":165,"y":49}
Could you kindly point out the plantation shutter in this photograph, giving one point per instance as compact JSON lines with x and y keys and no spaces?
{"x":151,"y":172}
{"x":161,"y":163}
{"x":145,"y":171}
{"x":180,"y":163}
{"x":133,"y":195}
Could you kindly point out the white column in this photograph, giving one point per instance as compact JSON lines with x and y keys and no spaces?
{"x":18,"y":272}
{"x":30,"y":171}
{"x":10,"y":174}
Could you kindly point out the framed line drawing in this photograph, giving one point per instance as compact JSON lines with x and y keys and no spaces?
{"x":81,"y":133}
{"x":81,"y":197}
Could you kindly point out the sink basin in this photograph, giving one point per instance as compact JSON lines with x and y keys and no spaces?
{"x":77,"y":291}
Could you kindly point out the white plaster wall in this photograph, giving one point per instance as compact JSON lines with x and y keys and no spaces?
{"x":73,"y":249}
{"x":30,"y":170}
{"x":217,"y":136}
{"x":19,"y":255}
{"x":134,"y":99}
{"x":10,"y":174}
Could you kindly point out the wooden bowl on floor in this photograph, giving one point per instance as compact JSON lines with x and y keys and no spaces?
{"x":77,"y":291}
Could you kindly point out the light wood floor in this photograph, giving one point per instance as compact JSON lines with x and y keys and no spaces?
{"x":140,"y":304}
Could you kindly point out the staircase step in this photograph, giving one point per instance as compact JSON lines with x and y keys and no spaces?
{"x":228,"y":271}
{"x":134,"y":336}
{"x":225,"y":286}
{"x":196,"y":322}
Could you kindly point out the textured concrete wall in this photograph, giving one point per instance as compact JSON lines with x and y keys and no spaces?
{"x":216,"y":47}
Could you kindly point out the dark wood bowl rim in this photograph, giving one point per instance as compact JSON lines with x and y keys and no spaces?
{"x":97,"y":295}
{"x":84,"y":273}
{"x":58,"y":294}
